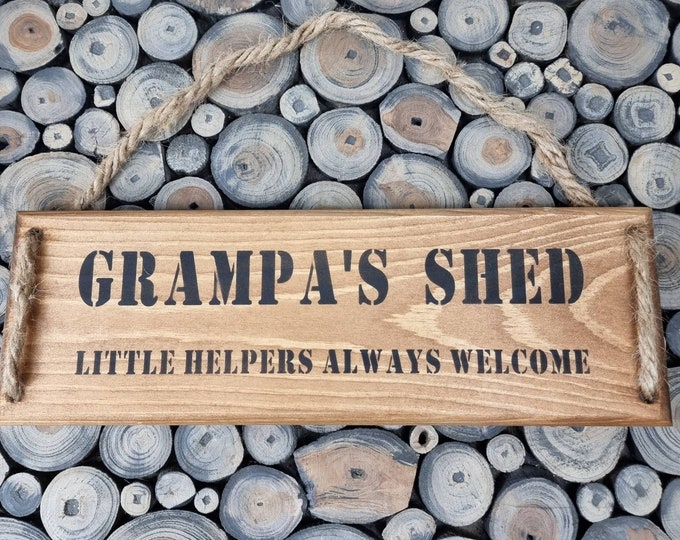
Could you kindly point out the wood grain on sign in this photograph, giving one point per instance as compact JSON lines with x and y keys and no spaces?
{"x":517,"y":316}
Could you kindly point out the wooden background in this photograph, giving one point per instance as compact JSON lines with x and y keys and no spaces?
{"x":603,"y":73}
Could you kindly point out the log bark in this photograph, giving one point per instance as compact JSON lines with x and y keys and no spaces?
{"x":345,"y":69}
{"x":618,"y":43}
{"x":174,"y":489}
{"x":523,"y":194}
{"x":502,"y":55}
{"x":259,"y":161}
{"x":413,"y":181}
{"x":13,"y":528}
{"x":57,"y":137}
{"x":473,"y":25}
{"x":134,"y":452}
{"x":538,"y":31}
{"x":206,"y":500}
{"x":30,"y":35}
{"x":533,"y":508}
{"x":187,"y":154}
{"x":594,"y":102}
{"x":426,"y":74}
{"x":455,"y":484}
{"x":81,"y":502}
{"x":255,"y":89}
{"x":597,"y":154}
{"x":167,"y":32}
{"x":208,"y":121}
{"x":105,"y":50}
{"x":563,"y":78}
{"x":659,"y":447}
{"x":418,"y":118}
{"x":261,"y":503}
{"x":485,"y":74}
{"x":644,"y":114}
{"x":670,"y":502}
{"x":18,"y":136}
{"x":270,"y":445}
{"x":652,"y":175}
{"x":9,"y":88}
{"x":556,"y":111}
{"x":423,"y":21}
{"x":629,"y":527}
{"x":524,"y":80}
{"x":20,"y":494}
{"x":136,"y":499}
{"x":345,"y":143}
{"x":357,"y":476}
{"x":142,"y":175}
{"x":96,"y":132}
{"x":423,"y":439}
{"x":638,"y":489}
{"x":489,"y":155}
{"x":169,"y":525}
{"x":71,"y":16}
{"x":506,"y":453}
{"x":188,"y":193}
{"x":577,"y":454}
{"x":595,"y":502}
{"x":298,"y":11}
{"x":52,"y":95}
{"x":410,"y":524}
{"x":208,"y":453}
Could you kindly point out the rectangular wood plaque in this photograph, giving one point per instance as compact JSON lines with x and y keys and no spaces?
{"x":511,"y":317}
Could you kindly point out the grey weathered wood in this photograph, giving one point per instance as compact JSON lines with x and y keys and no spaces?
{"x":13,"y":528}
{"x":410,"y":524}
{"x":255,"y":89}
{"x":357,"y":476}
{"x":618,"y":43}
{"x":169,"y":525}
{"x":96,"y":8}
{"x":270,"y":444}
{"x":57,"y":137}
{"x":299,"y":105}
{"x":323,"y":429}
{"x":413,"y":181}
{"x":524,"y":80}
{"x":105,"y":50}
{"x":638,"y":489}
{"x":423,"y":73}
{"x":538,"y":31}
{"x":71,"y":16}
{"x":206,"y":500}
{"x":583,"y":454}
{"x":594,"y":102}
{"x":595,"y":502}
{"x":167,"y":32}
{"x":104,"y":95}
{"x":188,"y":193}
{"x":96,"y":132}
{"x":260,"y":160}
{"x":4,"y":290}
{"x":667,"y":77}
{"x":174,"y":489}
{"x":390,"y":6}
{"x":46,"y":181}
{"x":423,"y":439}
{"x":488,"y":155}
{"x":533,"y":508}
{"x":20,"y":494}
{"x":52,"y":95}
{"x":219,"y":7}
{"x":485,"y":74}
{"x":644,"y":114}
{"x":130,"y":8}
{"x":345,"y":69}
{"x":261,"y":503}
{"x":298,"y":11}
{"x":667,"y":239}
{"x":523,"y":194}
{"x":455,"y":484}
{"x":596,"y":153}
{"x":423,"y":20}
{"x":418,"y":118}
{"x":556,"y":111}
{"x":29,"y":35}
{"x":208,"y":120}
{"x":539,"y":175}
{"x":473,"y":25}
{"x":327,"y":531}
{"x":469,"y":433}
{"x":670,"y":502}
{"x":187,"y":154}
{"x":502,"y":55}
{"x":81,"y":502}
{"x":653,"y":175}
{"x":629,"y":527}
{"x":505,"y":452}
{"x":18,"y":136}
{"x":136,"y":499}
{"x":345,"y":143}
{"x":613,"y":195}
{"x":135,"y":452}
{"x":515,"y":103}
{"x":562,"y":77}
{"x":141,"y":176}
{"x":146,"y":89}
{"x":482,"y":198}
{"x":9,"y":87}
{"x":673,"y":334}
{"x":208,"y":453}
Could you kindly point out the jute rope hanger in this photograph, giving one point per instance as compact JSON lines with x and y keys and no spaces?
{"x":549,"y":151}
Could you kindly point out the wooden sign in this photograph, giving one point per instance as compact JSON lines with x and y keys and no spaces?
{"x":509,"y":317}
